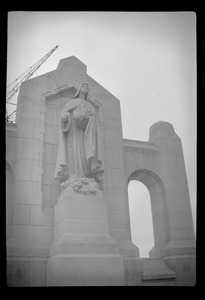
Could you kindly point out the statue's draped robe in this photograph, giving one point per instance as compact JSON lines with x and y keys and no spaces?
{"x":79,"y":151}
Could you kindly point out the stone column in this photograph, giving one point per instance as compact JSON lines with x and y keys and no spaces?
{"x":83,"y":253}
{"x":179,"y":251}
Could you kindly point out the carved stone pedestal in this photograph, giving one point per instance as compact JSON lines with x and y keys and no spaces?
{"x":83,"y":253}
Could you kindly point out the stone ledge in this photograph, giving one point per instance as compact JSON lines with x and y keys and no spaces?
{"x":134,"y":144}
{"x":180,"y":247}
{"x":156,"y":269}
{"x":27,"y":252}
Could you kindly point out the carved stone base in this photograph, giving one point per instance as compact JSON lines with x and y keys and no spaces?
{"x":83,"y":252}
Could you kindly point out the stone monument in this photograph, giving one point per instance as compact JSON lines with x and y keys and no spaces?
{"x":83,"y":252}
{"x":68,"y":169}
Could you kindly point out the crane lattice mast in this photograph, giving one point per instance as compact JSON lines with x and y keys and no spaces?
{"x":14,"y":86}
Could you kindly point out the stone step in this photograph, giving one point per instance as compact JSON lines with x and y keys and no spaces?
{"x":156,"y":270}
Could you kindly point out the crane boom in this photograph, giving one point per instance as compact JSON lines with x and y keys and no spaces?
{"x":26,"y":75}
{"x":14,"y":86}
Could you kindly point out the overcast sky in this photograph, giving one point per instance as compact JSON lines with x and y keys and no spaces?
{"x":145,"y":59}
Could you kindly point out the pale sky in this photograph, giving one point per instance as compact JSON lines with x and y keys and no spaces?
{"x":145,"y":59}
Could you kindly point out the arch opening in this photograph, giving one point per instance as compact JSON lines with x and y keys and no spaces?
{"x":140,"y":217}
{"x":159,"y":211}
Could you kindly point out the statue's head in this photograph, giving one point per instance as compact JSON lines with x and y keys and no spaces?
{"x":82,"y":89}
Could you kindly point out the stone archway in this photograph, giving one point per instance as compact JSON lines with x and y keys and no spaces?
{"x":141,"y":224}
{"x":159,"y":209}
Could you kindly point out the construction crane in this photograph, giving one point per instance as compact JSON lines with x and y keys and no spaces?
{"x":14,"y":86}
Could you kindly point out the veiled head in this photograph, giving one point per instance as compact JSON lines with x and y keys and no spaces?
{"x":83,"y":88}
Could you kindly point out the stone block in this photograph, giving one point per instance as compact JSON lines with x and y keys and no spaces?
{"x":84,"y":243}
{"x":37,"y":272}
{"x":115,"y":139}
{"x":19,"y":148}
{"x":39,"y":128}
{"x":172,"y":166}
{"x":41,"y":215}
{"x":158,"y":204}
{"x":56,"y":114}
{"x":26,"y":192}
{"x":112,"y":158}
{"x":156,"y":189}
{"x":129,"y":250}
{"x":51,"y":134}
{"x":64,"y":98}
{"x":121,"y":159}
{"x":112,"y":123}
{"x":25,"y":248}
{"x":36,"y":235}
{"x":132,"y":267}
{"x":38,"y":85}
{"x":23,"y":169}
{"x":156,"y":164}
{"x":49,"y":114}
{"x":118,"y":179}
{"x":107,"y":178}
{"x":180,"y":247}
{"x":54,"y":102}
{"x":178,"y":201}
{"x":30,"y":149}
{"x":160,"y":227}
{"x":118,"y":218}
{"x":36,"y":174}
{"x":106,"y":138}
{"x":75,"y":227}
{"x":182,"y":234}
{"x":29,"y":107}
{"x":131,"y":165}
{"x":79,"y":270}
{"x":21,"y":214}
{"x":184,"y":267}
{"x":140,"y":159}
{"x":112,"y":112}
{"x":54,"y":154}
{"x":181,"y":165}
{"x":71,"y":63}
{"x":11,"y":148}
{"x":55,"y":192}
{"x":25,"y":128}
{"x":180,"y":219}
{"x":75,"y":206}
{"x":48,"y":153}
{"x":48,"y":176}
{"x":148,"y":160}
{"x":120,"y":234}
{"x":183,"y":184}
{"x":116,"y":198}
{"x":149,"y":179}
{"x":110,"y":103}
{"x":156,"y":269}
{"x":47,"y":200}
{"x":176,"y":184}
{"x":17,"y":272}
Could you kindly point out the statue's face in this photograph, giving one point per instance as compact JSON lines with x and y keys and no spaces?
{"x":84,"y":88}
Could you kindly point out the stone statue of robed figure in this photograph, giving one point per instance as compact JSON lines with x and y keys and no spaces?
{"x":79,"y":162}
